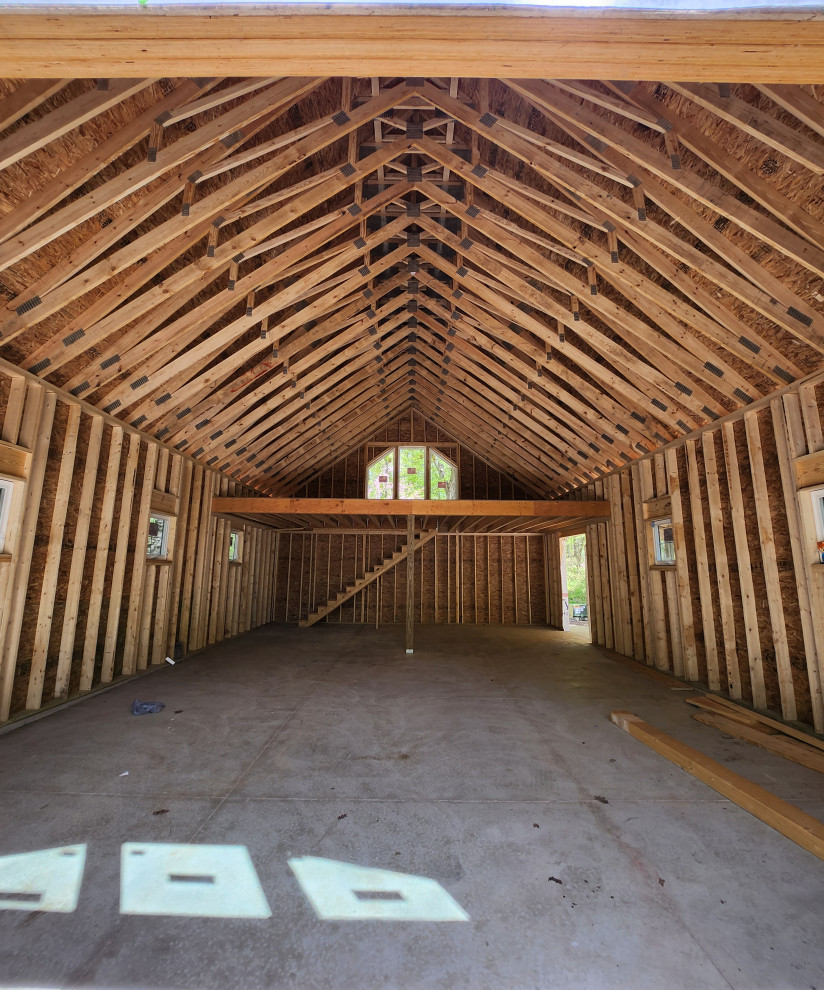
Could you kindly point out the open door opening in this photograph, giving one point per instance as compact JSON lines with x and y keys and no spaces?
{"x":574,"y":590}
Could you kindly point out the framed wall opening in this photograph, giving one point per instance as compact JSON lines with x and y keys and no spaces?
{"x":575,"y":585}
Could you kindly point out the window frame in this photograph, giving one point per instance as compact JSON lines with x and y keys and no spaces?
{"x":238,"y":558}
{"x":398,"y":454}
{"x":373,"y":460}
{"x":655,"y":526}
{"x":166,"y":539}
{"x":396,"y":450}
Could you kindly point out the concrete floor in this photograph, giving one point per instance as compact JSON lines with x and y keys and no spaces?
{"x":486,"y":762}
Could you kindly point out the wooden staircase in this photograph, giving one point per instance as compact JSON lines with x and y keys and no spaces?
{"x":385,"y":565}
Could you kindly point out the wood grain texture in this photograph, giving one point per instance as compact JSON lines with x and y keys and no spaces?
{"x":145,"y":42}
{"x":795,"y":824}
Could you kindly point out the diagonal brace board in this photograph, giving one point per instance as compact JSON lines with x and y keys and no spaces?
{"x":367,"y":579}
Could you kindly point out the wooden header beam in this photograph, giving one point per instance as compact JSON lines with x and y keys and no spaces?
{"x":391,"y":41}
{"x":404,"y":507}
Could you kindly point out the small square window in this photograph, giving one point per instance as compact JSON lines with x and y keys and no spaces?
{"x":6,"y":489}
{"x":235,"y":546}
{"x":663,"y":542}
{"x":157,"y":544}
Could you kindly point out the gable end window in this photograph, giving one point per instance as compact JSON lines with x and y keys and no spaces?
{"x":412,"y":471}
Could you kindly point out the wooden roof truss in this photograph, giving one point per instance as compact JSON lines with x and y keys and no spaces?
{"x":564,"y":274}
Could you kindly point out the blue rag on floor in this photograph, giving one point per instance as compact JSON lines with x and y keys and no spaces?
{"x":146,"y":707}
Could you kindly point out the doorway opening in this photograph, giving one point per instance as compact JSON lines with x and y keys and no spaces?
{"x":574,"y":588}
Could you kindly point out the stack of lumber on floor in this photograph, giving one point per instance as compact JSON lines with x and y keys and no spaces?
{"x":786,"y":818}
{"x":760,"y":730}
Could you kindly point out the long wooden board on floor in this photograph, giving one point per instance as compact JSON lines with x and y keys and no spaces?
{"x":760,"y":735}
{"x":727,"y":708}
{"x":790,"y":821}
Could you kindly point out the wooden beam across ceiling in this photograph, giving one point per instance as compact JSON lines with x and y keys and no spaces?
{"x":766,"y":47}
{"x":591,"y":509}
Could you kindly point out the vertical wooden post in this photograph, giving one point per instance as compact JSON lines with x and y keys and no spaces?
{"x":80,"y":545}
{"x":812,"y":417}
{"x":547,"y":597}
{"x":434,"y":573}
{"x":769,"y":564}
{"x":136,"y":588}
{"x":475,"y":554}
{"x":742,"y":553}
{"x":489,"y":586}
{"x":410,"y":585}
{"x":527,"y":545}
{"x":275,"y":566}
{"x":120,"y":558}
{"x":722,"y":568}
{"x":515,"y":576}
{"x":690,"y":668}
{"x":220,"y":563}
{"x":696,"y":499}
{"x":501,"y":562}
{"x":448,"y":579}
{"x":593,"y":579}
{"x":636,"y":614}
{"x":656,"y":579}
{"x":200,"y":587}
{"x":241,"y":618}
{"x":180,"y":621}
{"x":147,"y":607}
{"x":37,"y":439}
{"x":289,"y":579}
{"x":181,"y":546}
{"x":51,"y":572}
{"x":101,"y":555}
{"x":643,"y":563}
